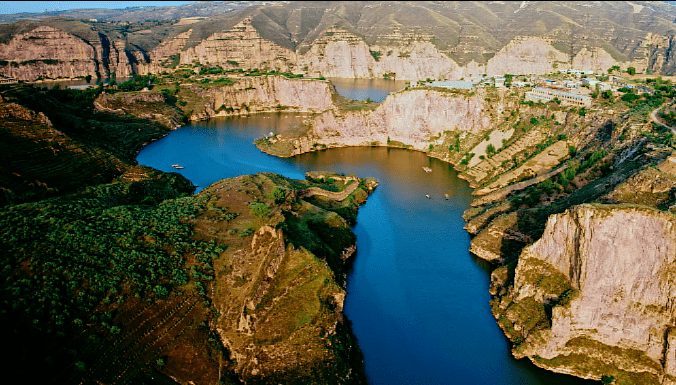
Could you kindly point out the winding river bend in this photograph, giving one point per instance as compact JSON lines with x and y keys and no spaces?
{"x":417,"y":299}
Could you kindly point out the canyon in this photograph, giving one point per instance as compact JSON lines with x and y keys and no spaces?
{"x":573,"y":206}
{"x":555,"y":311}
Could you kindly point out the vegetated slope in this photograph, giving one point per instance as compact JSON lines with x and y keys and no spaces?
{"x":133,"y":280}
{"x":139,"y":281}
{"x":56,"y":141}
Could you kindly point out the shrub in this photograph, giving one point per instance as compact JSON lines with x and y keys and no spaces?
{"x":261,"y":210}
{"x":278,"y":194}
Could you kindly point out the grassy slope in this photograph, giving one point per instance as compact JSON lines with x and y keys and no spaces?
{"x":116,"y":282}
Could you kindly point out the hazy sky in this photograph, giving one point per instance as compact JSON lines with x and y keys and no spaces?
{"x":38,"y":6}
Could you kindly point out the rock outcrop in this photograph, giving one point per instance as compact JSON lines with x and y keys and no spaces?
{"x":262,"y":94}
{"x":411,"y":117}
{"x":46,"y":52}
{"x":593,"y":296}
{"x":242,"y":46}
{"x":341,"y":54}
{"x":528,"y":55}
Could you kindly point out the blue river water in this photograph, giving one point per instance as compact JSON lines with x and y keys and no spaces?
{"x":417,"y":299}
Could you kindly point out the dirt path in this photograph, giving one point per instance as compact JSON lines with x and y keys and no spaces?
{"x":502,"y":193}
{"x":339,"y":196}
{"x":655,"y":118}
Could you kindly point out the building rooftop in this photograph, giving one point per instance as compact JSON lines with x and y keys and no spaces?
{"x":457,"y":84}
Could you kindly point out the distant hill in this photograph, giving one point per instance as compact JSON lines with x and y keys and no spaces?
{"x":139,"y":14}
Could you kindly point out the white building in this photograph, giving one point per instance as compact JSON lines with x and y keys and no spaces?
{"x":546,"y":94}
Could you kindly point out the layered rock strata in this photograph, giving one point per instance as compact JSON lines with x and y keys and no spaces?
{"x":603,"y":279}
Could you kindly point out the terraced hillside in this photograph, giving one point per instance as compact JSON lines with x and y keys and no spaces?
{"x":140,"y":281}
{"x":56,"y":141}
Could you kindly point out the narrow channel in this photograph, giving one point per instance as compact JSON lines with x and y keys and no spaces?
{"x":417,"y":299}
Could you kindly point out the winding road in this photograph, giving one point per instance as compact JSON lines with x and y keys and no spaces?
{"x":655,"y":118}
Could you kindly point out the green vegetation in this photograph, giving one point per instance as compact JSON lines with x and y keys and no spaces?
{"x":261,"y":210}
{"x":668,"y":117}
{"x":67,"y":258}
{"x":137,"y":83}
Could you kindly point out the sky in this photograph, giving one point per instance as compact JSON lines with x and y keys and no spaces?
{"x":8,"y":7}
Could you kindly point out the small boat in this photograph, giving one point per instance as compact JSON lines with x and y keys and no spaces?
{"x":427,"y":195}
{"x":427,"y":169}
{"x":446,"y":196}
{"x":174,"y":165}
{"x":179,"y":167}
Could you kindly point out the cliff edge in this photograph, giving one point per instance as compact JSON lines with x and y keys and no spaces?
{"x":593,"y":296}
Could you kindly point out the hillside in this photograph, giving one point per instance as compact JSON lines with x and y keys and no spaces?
{"x":409,"y":41}
{"x":139,"y":14}
{"x":116,"y":273}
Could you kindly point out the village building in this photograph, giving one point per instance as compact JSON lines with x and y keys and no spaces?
{"x":547,"y":93}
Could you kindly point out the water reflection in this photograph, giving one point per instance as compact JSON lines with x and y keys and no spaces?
{"x":362,"y":89}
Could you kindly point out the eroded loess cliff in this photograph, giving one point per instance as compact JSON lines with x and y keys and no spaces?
{"x":261,"y":94}
{"x":412,"y":117}
{"x":47,"y":52}
{"x":280,"y":292}
{"x":593,"y":295}
{"x":242,"y":46}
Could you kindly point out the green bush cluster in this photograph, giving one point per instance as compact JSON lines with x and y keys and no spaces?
{"x":137,"y":83}
{"x":64,"y":256}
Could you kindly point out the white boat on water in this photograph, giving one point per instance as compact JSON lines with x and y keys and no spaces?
{"x":427,"y":169}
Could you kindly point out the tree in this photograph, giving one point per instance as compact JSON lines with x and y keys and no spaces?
{"x":631,"y":71}
{"x":260,"y":210}
{"x":88,"y":78}
{"x":607,"y":94}
{"x":490,"y":150}
{"x":278,"y":194}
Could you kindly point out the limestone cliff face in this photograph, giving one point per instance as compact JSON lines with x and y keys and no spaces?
{"x":118,"y":61}
{"x":526,"y":55}
{"x":265,"y":93}
{"x":160,"y":58}
{"x":411,"y":117}
{"x":46,"y":52}
{"x":617,"y":266}
{"x":341,"y":54}
{"x":243,"y":47}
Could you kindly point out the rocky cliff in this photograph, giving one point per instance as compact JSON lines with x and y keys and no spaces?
{"x":262,"y":94}
{"x":47,"y":52}
{"x":411,"y":117}
{"x":602,"y":278}
{"x":431,"y":43}
{"x":242,"y":46}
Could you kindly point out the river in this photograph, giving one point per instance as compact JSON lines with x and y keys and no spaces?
{"x":417,"y":299}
